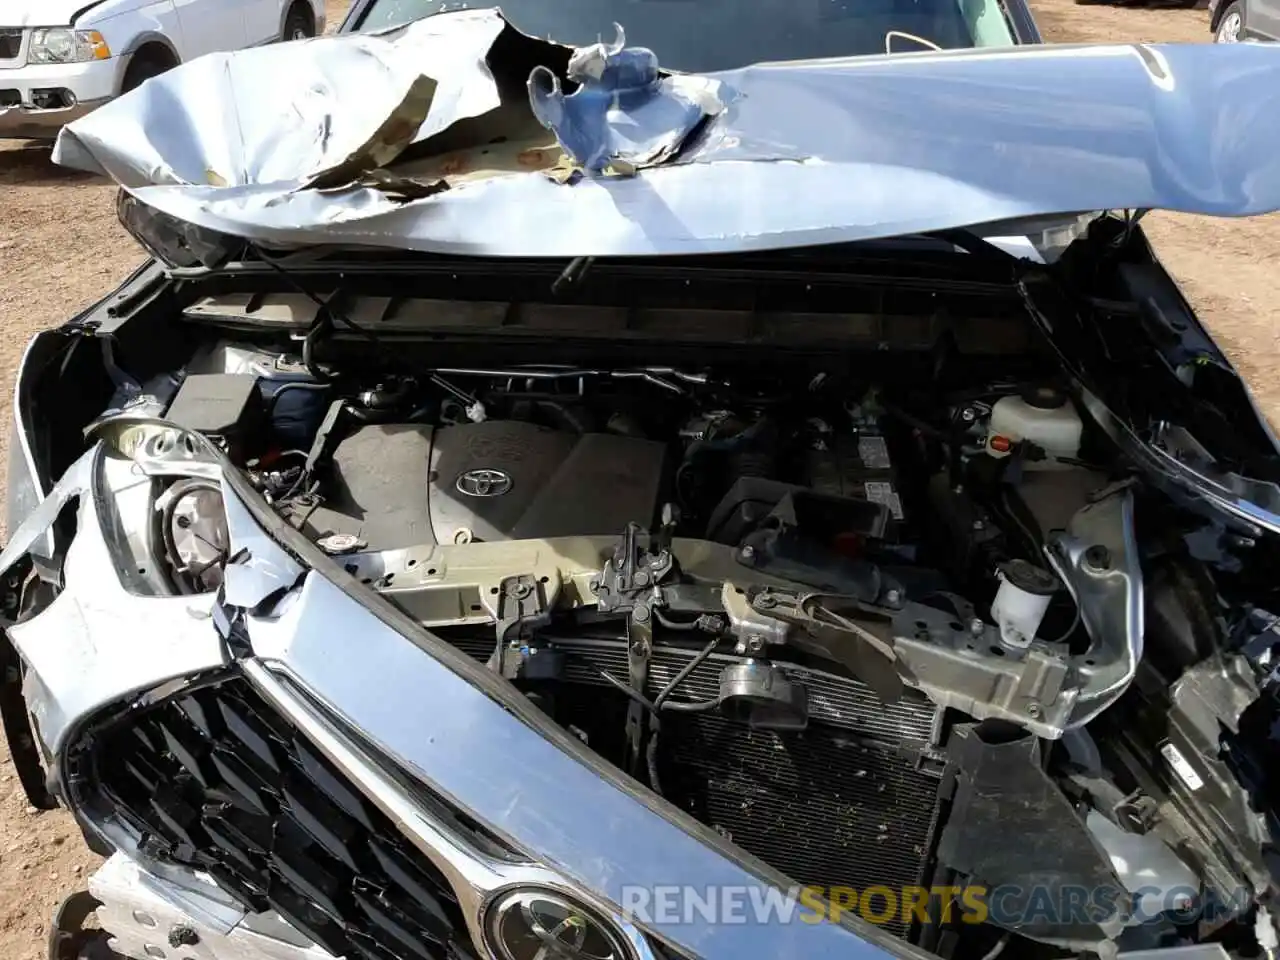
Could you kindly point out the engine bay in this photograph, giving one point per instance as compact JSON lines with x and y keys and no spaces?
{"x":735,"y":569}
{"x":907,"y":622}
{"x":854,"y":482}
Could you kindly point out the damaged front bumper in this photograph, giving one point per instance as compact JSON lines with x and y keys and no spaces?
{"x":402,"y":717}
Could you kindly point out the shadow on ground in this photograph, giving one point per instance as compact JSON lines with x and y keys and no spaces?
{"x":31,"y":165}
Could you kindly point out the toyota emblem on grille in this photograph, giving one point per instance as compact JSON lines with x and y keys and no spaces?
{"x":484,"y":483}
{"x":542,"y":925}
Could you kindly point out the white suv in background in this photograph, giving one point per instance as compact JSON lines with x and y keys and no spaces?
{"x":61,"y":58}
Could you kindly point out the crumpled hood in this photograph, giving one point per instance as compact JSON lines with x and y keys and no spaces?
{"x":346,"y":141}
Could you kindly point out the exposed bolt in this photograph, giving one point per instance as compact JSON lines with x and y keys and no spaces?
{"x":642,"y":578}
{"x":893,"y":597}
{"x":977,"y":627}
{"x":1098,"y":557}
{"x":1034,"y":710}
{"x":640,"y":614}
{"x":979,"y":524}
{"x":748,"y":553}
{"x":968,"y":414}
{"x":755,"y":644}
{"x":766,"y":602}
{"x":183,"y":937}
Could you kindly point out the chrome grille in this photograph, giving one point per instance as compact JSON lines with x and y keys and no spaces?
{"x":217,"y":780}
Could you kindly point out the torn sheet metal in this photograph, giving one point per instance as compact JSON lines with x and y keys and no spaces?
{"x":801,"y":153}
{"x":290,"y":114}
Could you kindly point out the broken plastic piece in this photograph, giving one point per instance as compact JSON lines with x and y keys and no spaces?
{"x":624,"y":114}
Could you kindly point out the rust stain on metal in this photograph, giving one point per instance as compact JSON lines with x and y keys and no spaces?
{"x":534,"y":158}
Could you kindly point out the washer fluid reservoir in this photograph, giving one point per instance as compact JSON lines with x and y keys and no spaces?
{"x":1042,"y":415}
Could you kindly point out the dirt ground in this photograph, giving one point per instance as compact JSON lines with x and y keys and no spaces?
{"x":60,"y":248}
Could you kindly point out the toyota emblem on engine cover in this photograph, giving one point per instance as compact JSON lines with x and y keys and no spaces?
{"x":484,"y":483}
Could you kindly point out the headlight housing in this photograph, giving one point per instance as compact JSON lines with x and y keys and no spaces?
{"x":64,"y":45}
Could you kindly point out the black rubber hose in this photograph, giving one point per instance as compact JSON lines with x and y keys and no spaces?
{"x":685,"y":671}
{"x":626,"y":688}
{"x":318,"y":332}
{"x":651,"y":750}
{"x":692,"y":706}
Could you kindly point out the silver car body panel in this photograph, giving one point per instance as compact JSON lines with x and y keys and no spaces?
{"x":794,"y":153}
{"x":98,"y":642}
{"x":140,"y":910}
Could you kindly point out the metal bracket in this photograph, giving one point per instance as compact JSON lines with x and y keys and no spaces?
{"x":639,"y":649}
{"x":521,"y":606}
{"x":633,"y":574}
{"x":820,"y":625}
{"x":631,"y":583}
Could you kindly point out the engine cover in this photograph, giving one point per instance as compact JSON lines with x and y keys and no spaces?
{"x":397,"y":485}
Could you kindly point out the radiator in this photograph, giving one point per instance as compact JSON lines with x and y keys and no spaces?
{"x":823,"y":807}
{"x":852,"y":801}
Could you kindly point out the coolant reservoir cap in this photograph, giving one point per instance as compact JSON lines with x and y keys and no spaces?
{"x":1028,"y":577}
{"x":1044,"y":397}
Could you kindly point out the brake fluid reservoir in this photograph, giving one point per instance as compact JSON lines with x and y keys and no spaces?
{"x":1043,"y":416}
{"x":1021,"y":601}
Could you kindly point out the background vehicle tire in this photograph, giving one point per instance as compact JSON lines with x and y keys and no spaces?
{"x":1231,"y":26}
{"x":298,"y":24}
{"x":148,"y":61}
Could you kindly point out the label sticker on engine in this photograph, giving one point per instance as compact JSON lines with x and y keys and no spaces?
{"x":1186,"y":773}
{"x":878,"y":491}
{"x":874,"y":453}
